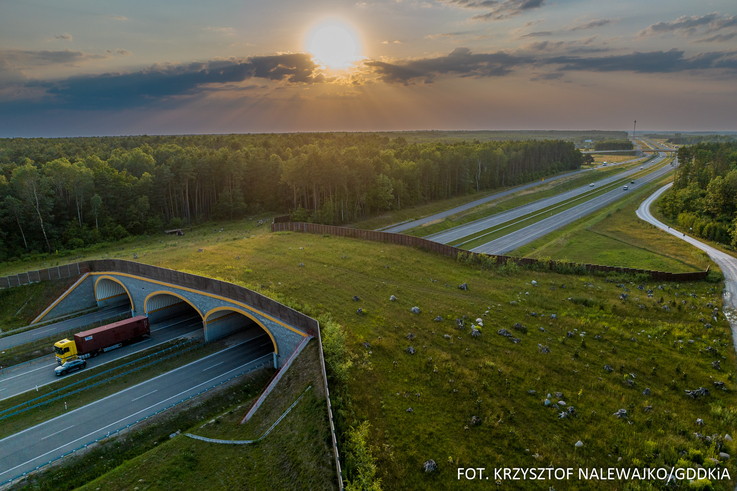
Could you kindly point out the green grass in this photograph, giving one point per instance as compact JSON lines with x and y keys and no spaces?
{"x":615,"y":236}
{"x":517,"y":199}
{"x":23,"y":304}
{"x":492,"y":375}
{"x":295,"y":455}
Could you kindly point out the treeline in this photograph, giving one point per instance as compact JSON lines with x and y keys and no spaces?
{"x":68,"y":193}
{"x":704,"y":194}
{"x":678,"y":139}
{"x":614,"y":145}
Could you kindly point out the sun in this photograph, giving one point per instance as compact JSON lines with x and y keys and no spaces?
{"x":333,"y":44}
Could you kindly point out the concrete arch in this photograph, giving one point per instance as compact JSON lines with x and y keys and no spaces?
{"x":246,"y":314}
{"x":114,"y":280}
{"x":171,"y":293}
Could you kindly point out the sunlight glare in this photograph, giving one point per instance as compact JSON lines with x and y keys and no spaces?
{"x":333,"y":44}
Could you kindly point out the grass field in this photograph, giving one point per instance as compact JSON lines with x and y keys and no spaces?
{"x":295,"y":455}
{"x":615,"y":236}
{"x":517,"y":199}
{"x":22,"y":304}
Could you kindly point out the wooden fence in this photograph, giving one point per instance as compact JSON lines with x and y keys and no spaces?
{"x":450,"y":251}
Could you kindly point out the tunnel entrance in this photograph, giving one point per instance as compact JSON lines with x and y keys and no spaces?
{"x":224,"y":321}
{"x":110,"y":292}
{"x":169,"y":310}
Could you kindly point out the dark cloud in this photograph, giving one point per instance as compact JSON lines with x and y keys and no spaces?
{"x":19,"y":59}
{"x":166,"y":82}
{"x":497,"y":10}
{"x":459,"y":62}
{"x":651,"y":62}
{"x":719,"y":38}
{"x":122,"y":52}
{"x":64,"y":37}
{"x":593,"y":24}
{"x":688,"y":25}
{"x":547,"y":76}
{"x":537,"y":34}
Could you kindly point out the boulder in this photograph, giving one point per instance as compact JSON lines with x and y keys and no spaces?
{"x":475,"y":333}
{"x":646,"y":392}
{"x":553,"y":316}
{"x":463,"y":286}
{"x":356,"y":298}
{"x":579,"y":444}
{"x":392,"y":298}
{"x":410,"y":336}
{"x":534,"y":283}
{"x":411,"y":350}
{"x":475,"y":421}
{"x":410,"y":410}
{"x":430,"y":466}
{"x":438,"y":319}
{"x":359,"y":311}
{"x":723,"y":456}
{"x":415,"y":310}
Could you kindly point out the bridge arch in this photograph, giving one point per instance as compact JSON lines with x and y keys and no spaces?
{"x":110,"y":291}
{"x":211,"y":318}
{"x":164,"y":303}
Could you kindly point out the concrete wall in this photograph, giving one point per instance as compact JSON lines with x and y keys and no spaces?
{"x":77,"y":298}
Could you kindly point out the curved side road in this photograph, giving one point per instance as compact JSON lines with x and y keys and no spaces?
{"x":725,"y":261}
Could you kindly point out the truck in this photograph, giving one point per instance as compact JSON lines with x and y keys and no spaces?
{"x":92,"y":342}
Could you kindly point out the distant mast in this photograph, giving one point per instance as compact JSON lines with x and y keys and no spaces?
{"x":634,"y":130}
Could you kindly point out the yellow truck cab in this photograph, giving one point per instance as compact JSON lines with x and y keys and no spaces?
{"x":65,"y":350}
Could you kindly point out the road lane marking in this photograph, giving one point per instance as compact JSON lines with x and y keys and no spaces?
{"x":41,"y":332}
{"x":125,"y":418}
{"x":213,"y":366}
{"x":49,"y":436}
{"x":29,"y":371}
{"x":144,"y":395}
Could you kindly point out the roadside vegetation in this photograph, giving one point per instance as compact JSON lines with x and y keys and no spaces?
{"x":615,"y":236}
{"x":20,"y":305}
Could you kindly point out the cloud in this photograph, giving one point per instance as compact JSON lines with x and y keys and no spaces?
{"x":15,"y":59}
{"x":64,"y":37}
{"x":459,"y":62}
{"x":651,"y":62}
{"x":537,"y":34}
{"x":497,"y":10}
{"x":547,"y":76}
{"x":122,"y":52}
{"x":719,"y":38}
{"x":118,"y":17}
{"x":225,"y":30}
{"x":161,"y":82}
{"x":592,"y":24}
{"x":445,"y":35}
{"x":689,"y":25}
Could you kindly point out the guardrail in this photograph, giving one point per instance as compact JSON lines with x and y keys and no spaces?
{"x":109,"y":379}
{"x":117,"y":432}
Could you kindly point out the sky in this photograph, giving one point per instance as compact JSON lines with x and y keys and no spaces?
{"x":90,"y":67}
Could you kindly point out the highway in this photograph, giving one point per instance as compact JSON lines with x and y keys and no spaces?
{"x":16,"y":380}
{"x":29,"y":448}
{"x":726,"y":262}
{"x":482,"y":224}
{"x":61,"y":326}
{"x":527,"y":234}
{"x":444,"y":214}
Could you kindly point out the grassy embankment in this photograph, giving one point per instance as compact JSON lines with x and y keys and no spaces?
{"x":615,"y":236}
{"x":517,"y":199}
{"x":482,"y":237}
{"x":295,"y":455}
{"x":20,"y":305}
{"x":489,"y":376}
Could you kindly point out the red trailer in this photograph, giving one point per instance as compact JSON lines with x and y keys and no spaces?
{"x":101,"y":339}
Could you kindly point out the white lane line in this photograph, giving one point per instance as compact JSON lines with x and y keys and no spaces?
{"x":29,"y":371}
{"x":49,"y":436}
{"x":130,"y":416}
{"x":41,"y":332}
{"x":213,"y":366}
{"x":144,"y":395}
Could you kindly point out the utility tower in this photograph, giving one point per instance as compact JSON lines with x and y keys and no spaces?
{"x":634,"y":130}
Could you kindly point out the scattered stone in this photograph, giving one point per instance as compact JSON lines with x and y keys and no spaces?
{"x":608,"y":368}
{"x":579,"y":444}
{"x":463,"y":286}
{"x":438,"y":319}
{"x":531,"y":392}
{"x":648,"y":409}
{"x":570,"y":334}
{"x":715,"y":364}
{"x":513,"y":303}
{"x":707,"y":325}
{"x":547,"y":402}
{"x":571,"y":411}
{"x":646,"y":392}
{"x":410,"y":410}
{"x":475,"y":421}
{"x":366,"y":344}
{"x":559,"y":395}
{"x":720,"y":385}
{"x":534,"y":283}
{"x":520,"y":327}
{"x":200,"y":250}
{"x":392,"y":298}
{"x":480,"y":321}
{"x":430,"y":466}
{"x":542,"y":329}
{"x":543,"y":349}
{"x":475,"y":332}
{"x":359,"y":311}
{"x":448,"y":336}
{"x":553,"y":316}
{"x":415,"y":310}
{"x":301,"y":265}
{"x":410,"y":350}
{"x":723,"y":456}
{"x":700,"y":392}
{"x":562,"y":403}
{"x":621,"y":413}
{"x":507,"y":334}
{"x":699,"y":422}
{"x":459,"y":323}
{"x":562,"y":415}
{"x":356,"y":298}
{"x":727,"y":438}
{"x":410,"y":336}
{"x":534,"y":314}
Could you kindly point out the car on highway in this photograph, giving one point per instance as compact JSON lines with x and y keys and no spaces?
{"x":70,"y":366}
{"x":632,"y":182}
{"x":625,"y":188}
{"x":591,"y":185}
{"x":641,"y":167}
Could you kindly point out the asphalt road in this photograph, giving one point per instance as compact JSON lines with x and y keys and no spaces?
{"x":527,"y":234}
{"x":57,"y":327}
{"x":16,"y":380}
{"x":726,"y":262}
{"x":27,"y":449}
{"x":494,"y":220}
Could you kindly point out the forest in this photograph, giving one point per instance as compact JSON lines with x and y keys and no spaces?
{"x":704,"y":194}
{"x":614,"y":145}
{"x":66,"y":193}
